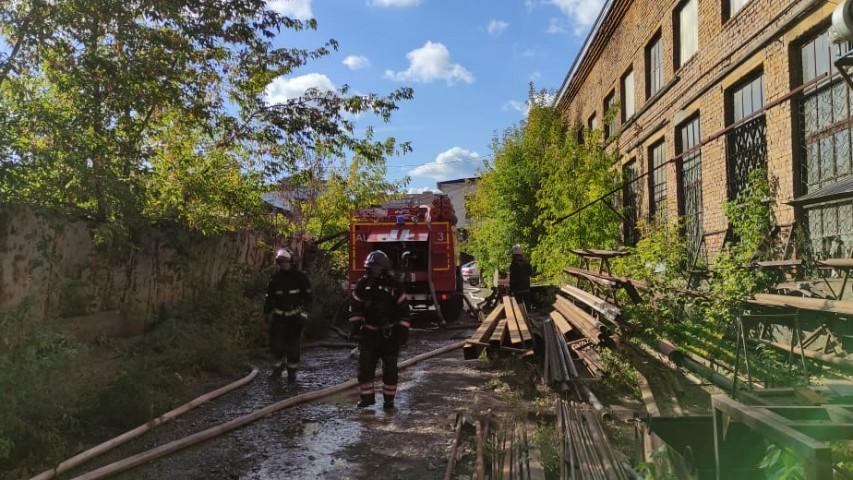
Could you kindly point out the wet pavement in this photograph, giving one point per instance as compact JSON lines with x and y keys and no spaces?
{"x":328,"y":438}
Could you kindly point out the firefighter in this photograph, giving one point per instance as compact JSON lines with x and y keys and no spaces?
{"x":287,"y":301}
{"x":379,"y":313}
{"x":519,"y":276}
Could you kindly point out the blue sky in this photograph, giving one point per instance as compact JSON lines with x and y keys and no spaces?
{"x":469,"y":62}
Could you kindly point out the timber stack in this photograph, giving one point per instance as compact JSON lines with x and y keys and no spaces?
{"x":507,"y":328}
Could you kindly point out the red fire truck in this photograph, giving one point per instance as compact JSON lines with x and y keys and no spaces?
{"x":422,"y":245}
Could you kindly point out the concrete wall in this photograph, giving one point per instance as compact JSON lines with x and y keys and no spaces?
{"x":762,"y":35}
{"x":53,"y":264}
{"x":458,"y":191}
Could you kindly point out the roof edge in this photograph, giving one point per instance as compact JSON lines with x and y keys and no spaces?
{"x":605,"y":10}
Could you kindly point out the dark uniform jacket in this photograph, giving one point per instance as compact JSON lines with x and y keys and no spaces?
{"x":288,"y":293}
{"x":519,"y":275}
{"x":379,"y":303}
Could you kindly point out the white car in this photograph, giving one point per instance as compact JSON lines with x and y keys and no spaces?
{"x":471,"y":273}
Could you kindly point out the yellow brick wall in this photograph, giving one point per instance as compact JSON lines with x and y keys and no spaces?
{"x":721,"y":44}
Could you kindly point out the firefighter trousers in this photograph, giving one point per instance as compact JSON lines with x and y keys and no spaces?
{"x":286,"y":339}
{"x":375,"y":345}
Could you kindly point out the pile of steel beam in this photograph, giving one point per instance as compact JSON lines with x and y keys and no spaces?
{"x":513,"y":457}
{"x":507,"y":328}
{"x":585,"y":451}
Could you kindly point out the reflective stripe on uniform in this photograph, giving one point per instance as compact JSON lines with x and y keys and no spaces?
{"x":405,"y":323}
{"x":371,"y":327}
{"x":402,"y":298}
{"x":356,"y":297}
{"x":389,"y":389}
{"x":357,"y":318}
{"x":287,"y":313}
{"x":292,"y":365}
{"x":279,"y":292}
{"x":367,"y":388}
{"x":295,"y":290}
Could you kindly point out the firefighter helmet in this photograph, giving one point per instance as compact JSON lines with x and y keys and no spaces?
{"x":516,"y":250}
{"x":377,"y":259}
{"x":283,"y":255}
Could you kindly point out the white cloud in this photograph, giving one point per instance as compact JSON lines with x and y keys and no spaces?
{"x":283,"y":89}
{"x":456,"y":162}
{"x":496,"y":27}
{"x":429,"y":63}
{"x":580,"y":14}
{"x":356,"y":62}
{"x":521,"y":107}
{"x":393,"y":3}
{"x":535,"y":76}
{"x":556,"y":26}
{"x":418,"y":190}
{"x":583,"y":12}
{"x":298,"y":9}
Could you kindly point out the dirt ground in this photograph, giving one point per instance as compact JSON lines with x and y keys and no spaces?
{"x":329,"y":439}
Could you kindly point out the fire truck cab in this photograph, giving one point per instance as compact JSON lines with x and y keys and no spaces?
{"x":421,"y":242}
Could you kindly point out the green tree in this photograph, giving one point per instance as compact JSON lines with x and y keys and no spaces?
{"x":90,"y":91}
{"x":538,"y":174}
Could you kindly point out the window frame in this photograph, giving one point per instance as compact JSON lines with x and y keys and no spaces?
{"x":727,"y":12}
{"x":632,"y":193}
{"x":654,"y":206}
{"x":592,"y":121}
{"x":611,"y":127}
{"x":656,"y":43}
{"x":623,"y":110}
{"x":682,"y":188}
{"x":678,"y":60}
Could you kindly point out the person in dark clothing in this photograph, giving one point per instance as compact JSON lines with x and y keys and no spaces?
{"x":379,"y":313}
{"x":519,"y":276}
{"x":288,"y":299}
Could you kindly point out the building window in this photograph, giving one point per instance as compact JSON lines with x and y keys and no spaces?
{"x":630,"y":202}
{"x":826,"y":141}
{"x":690,"y":181}
{"x":592,"y":123}
{"x":657,"y":184}
{"x":610,"y":115}
{"x":628,"y":95}
{"x":686,"y":26}
{"x":731,"y":7}
{"x":654,"y":65}
{"x":746,"y":142}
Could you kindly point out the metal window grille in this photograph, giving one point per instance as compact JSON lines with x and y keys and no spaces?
{"x":690,"y":182}
{"x":746,"y":145}
{"x":630,"y":202}
{"x":826,"y":138}
{"x":657,"y":199}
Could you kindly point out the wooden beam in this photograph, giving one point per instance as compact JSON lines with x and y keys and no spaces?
{"x":842,"y":307}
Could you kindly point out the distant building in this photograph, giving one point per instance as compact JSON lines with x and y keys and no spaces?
{"x":458,"y":191}
{"x":707,"y":91}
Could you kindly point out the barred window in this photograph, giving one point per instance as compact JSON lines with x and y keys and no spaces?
{"x":654,"y":66}
{"x":690,"y":181}
{"x":631,"y":192}
{"x":746,"y":144}
{"x":826,"y":136}
{"x":731,"y":7}
{"x":657,"y":184}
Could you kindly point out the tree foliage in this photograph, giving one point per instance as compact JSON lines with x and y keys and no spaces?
{"x":539,"y":173}
{"x":143,"y":110}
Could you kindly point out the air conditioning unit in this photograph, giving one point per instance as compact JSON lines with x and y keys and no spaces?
{"x":842,"y":22}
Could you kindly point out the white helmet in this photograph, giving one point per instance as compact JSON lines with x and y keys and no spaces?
{"x":516,"y":250}
{"x":283,"y":254}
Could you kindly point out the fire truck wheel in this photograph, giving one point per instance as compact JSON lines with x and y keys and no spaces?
{"x":452,"y":308}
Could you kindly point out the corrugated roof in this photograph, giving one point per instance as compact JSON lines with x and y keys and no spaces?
{"x":835,"y":191}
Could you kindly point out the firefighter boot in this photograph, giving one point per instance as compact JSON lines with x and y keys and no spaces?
{"x":291,"y":375}
{"x":388,"y":404}
{"x":276,"y":371}
{"x":366,"y":401}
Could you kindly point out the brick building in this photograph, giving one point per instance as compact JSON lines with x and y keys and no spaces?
{"x":709,"y":90}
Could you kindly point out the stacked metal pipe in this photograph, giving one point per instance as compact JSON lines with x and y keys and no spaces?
{"x":559,"y":368}
{"x":513,"y":458}
{"x":585,"y":451}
